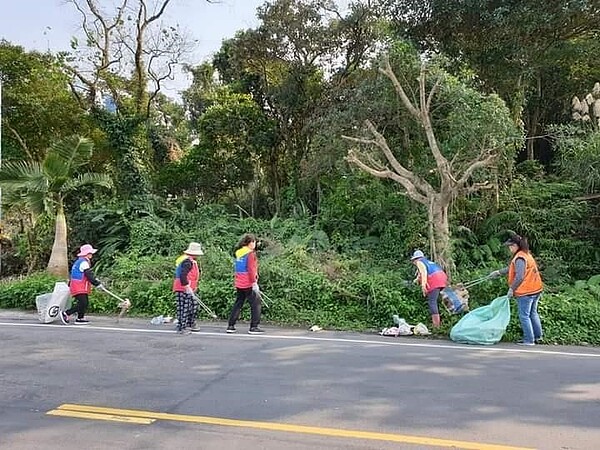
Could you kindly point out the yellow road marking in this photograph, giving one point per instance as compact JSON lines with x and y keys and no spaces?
{"x":96,"y":416}
{"x":289,"y":428}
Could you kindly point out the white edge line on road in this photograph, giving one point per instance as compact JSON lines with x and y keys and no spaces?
{"x":314,"y":338}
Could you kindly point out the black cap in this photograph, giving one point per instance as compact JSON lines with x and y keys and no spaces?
{"x":513,"y":240}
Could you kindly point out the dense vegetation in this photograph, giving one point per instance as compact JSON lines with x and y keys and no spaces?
{"x":270,"y":137}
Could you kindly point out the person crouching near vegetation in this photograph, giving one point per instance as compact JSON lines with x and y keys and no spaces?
{"x":187,"y":275}
{"x":246,"y":284}
{"x":80,"y":284}
{"x":525,"y":284}
{"x":432,"y":280}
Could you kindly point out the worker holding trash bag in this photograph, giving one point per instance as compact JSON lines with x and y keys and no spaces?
{"x":80,"y":284}
{"x":187,"y":275}
{"x":525,"y":284}
{"x":246,"y":284}
{"x":432,"y":280}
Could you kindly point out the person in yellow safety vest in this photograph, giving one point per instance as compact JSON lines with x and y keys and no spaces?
{"x":432,"y":280}
{"x":525,"y":284}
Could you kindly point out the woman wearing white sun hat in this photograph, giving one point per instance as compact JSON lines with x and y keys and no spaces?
{"x":187,"y":275}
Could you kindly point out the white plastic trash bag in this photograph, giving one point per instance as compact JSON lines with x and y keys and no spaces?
{"x":49,"y":305}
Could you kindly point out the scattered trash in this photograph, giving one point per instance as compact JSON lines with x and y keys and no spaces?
{"x":315,"y":328}
{"x":158,"y":320}
{"x":395,"y":331}
{"x":403,"y":328}
{"x":421,"y":330}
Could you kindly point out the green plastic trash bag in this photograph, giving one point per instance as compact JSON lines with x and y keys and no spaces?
{"x":485,"y":325}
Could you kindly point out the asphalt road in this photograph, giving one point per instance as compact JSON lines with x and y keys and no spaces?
{"x":138,"y":386}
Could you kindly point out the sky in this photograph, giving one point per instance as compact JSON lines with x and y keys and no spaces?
{"x":49,"y":25}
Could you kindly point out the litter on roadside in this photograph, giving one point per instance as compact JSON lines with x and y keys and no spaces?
{"x":403,"y":328}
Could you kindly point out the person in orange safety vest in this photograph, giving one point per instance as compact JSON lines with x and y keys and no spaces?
{"x":525,"y":284}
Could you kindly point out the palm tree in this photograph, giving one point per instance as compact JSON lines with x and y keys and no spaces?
{"x":43,"y":188}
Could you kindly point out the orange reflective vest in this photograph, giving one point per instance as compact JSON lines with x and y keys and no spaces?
{"x":532,"y":281}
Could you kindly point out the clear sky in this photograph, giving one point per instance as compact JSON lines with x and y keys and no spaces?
{"x":50,"y":24}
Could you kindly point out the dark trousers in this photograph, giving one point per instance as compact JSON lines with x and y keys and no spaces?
{"x":253,"y":299}
{"x":81,"y":307}
{"x":187,"y":308}
{"x":432,"y":300}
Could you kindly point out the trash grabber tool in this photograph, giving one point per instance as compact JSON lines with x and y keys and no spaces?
{"x":264,"y":298}
{"x":477,"y":281}
{"x":204,"y":307}
{"x":124,"y":303}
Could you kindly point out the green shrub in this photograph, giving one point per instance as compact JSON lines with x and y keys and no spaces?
{"x":21,"y":293}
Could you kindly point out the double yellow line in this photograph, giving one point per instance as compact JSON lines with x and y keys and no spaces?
{"x":148,"y":417}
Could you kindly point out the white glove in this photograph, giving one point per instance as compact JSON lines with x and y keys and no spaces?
{"x":509,"y":294}
{"x":255,"y":288}
{"x":188,"y":290}
{"x":101,"y":287}
{"x":495,"y":274}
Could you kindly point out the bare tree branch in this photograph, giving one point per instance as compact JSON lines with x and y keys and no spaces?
{"x":411,"y":189}
{"x":483,"y":160}
{"x":388,"y":72}
{"x":158,"y":14}
{"x":433,"y":91}
{"x":441,"y":162}
{"x":476,"y":187}
{"x":19,"y":139}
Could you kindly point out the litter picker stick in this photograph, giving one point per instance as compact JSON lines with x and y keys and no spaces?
{"x":124,"y":303}
{"x":477,"y":281}
{"x":262,"y":297}
{"x":113,"y":295}
{"x":204,"y":307}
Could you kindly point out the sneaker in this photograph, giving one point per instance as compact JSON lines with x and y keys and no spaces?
{"x":64,"y":317}
{"x":256,"y":330}
{"x":195,"y":327}
{"x":231,"y":329}
{"x":184,"y":332}
{"x":82,"y":322}
{"x":525,"y":343}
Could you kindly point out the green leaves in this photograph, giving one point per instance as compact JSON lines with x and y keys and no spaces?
{"x":41,"y":186}
{"x":37,"y":102}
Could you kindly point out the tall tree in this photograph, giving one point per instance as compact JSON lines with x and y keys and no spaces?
{"x":37,"y":105}
{"x":515,"y":47}
{"x":289,"y":65}
{"x":465,"y":133}
{"x":128,"y":50}
{"x":42,"y":187}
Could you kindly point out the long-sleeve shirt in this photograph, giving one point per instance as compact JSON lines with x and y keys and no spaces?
{"x":86,"y":268}
{"x":519,"y":273}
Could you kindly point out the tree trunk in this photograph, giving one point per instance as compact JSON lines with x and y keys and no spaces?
{"x":441,"y":248}
{"x":58,"y":264}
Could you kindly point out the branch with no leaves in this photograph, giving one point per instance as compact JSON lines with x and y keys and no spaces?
{"x":411,"y":189}
{"x":485,"y":159}
{"x":476,"y":187}
{"x":389,"y":72}
{"x":20,"y":140}
{"x":381,"y":142}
